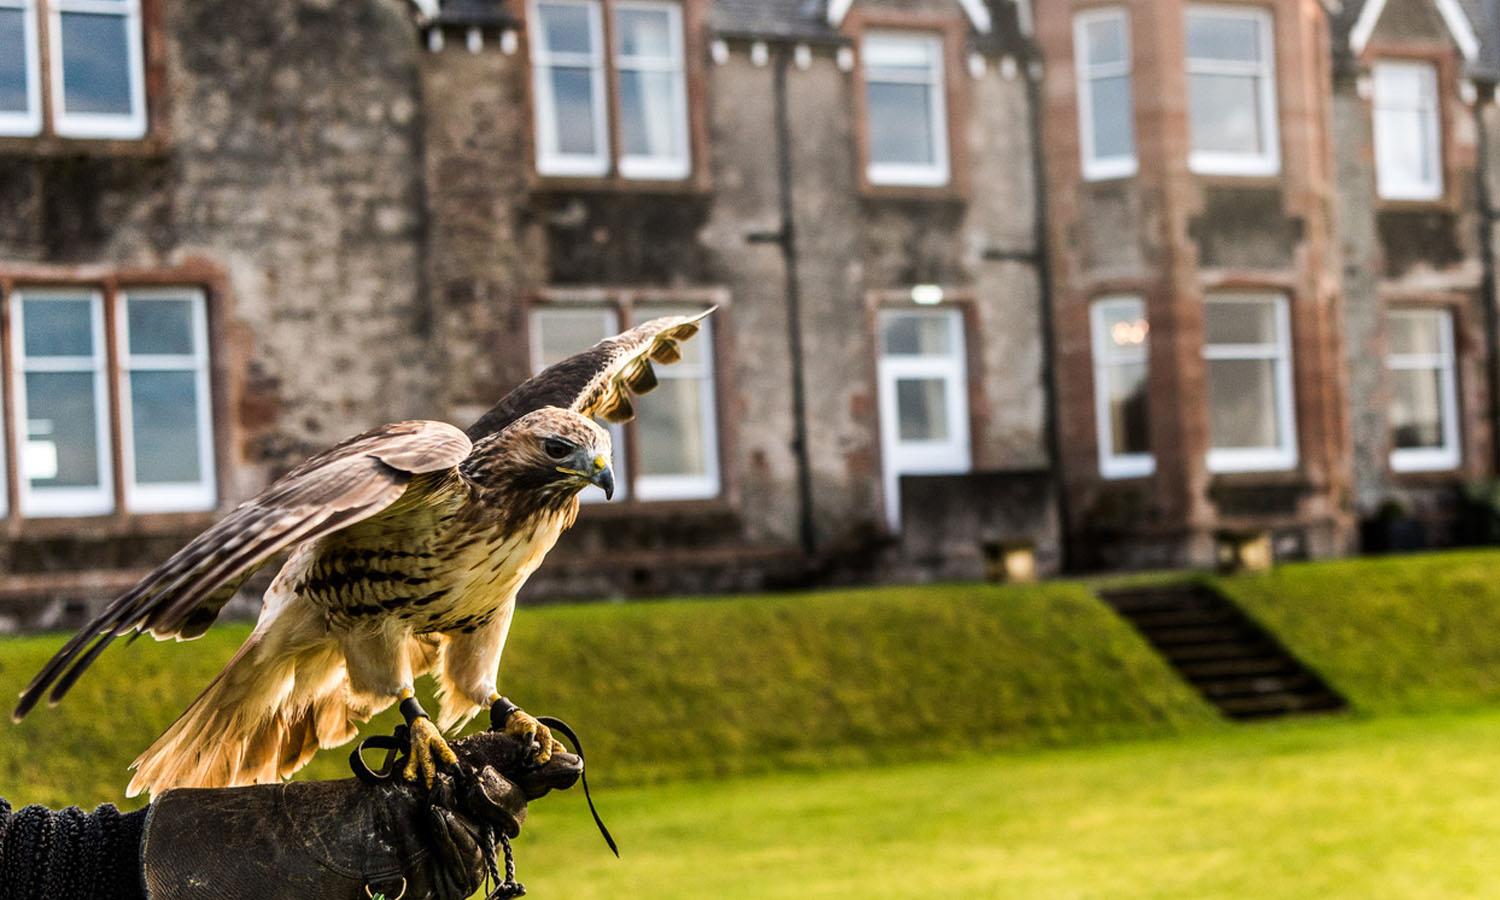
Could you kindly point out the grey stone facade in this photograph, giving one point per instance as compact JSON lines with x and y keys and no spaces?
{"x":355,"y":185}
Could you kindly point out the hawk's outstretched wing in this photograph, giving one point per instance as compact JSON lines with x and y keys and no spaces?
{"x":182,"y":597}
{"x":600,"y":380}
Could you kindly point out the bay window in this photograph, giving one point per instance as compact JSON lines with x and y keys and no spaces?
{"x":1247,"y":348}
{"x":571,"y":78}
{"x":1121,"y":409}
{"x":1106,"y":113}
{"x":1231,"y":68}
{"x":78,"y":418}
{"x":670,"y":451}
{"x":1408,"y":131}
{"x":1424,"y":392}
{"x":905,"y":109}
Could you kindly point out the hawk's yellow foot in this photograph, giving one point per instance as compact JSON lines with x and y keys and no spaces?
{"x":514,"y":720}
{"x":428,"y":749}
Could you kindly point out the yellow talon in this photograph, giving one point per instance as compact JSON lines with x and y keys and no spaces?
{"x":525,"y":726}
{"x":428,"y":749}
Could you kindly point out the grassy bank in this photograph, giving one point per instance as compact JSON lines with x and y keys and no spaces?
{"x":684,"y":689}
{"x":1393,"y":634}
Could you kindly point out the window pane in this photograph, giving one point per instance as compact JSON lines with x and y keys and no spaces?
{"x":1225,"y":112}
{"x":61,"y":448}
{"x":901,"y":124}
{"x":160,"y":326}
{"x":1416,"y":409}
{"x":670,"y":429}
{"x":58,"y":327}
{"x":1113,"y":117}
{"x":96,"y":64}
{"x":1105,"y":39}
{"x":1402,"y":145}
{"x":566,"y":28}
{"x":643,"y":32}
{"x":1230,"y":38}
{"x":1229,"y":322}
{"x":1125,"y":327}
{"x":917,"y":335}
{"x":922,"y":409}
{"x":1416,"y":332}
{"x":1403,"y":85}
{"x":562,"y":333}
{"x":648,"y":114}
{"x":164,"y":422}
{"x":899,"y":57}
{"x":573,"y":106}
{"x":1129,"y":426}
{"x":13,"y":61}
{"x":1242,"y":403}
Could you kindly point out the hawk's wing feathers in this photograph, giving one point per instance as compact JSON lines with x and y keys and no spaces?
{"x":600,"y":380}
{"x":181,"y":598}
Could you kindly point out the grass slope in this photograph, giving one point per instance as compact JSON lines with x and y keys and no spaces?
{"x":1393,"y":634}
{"x":1405,"y":809}
{"x":695,"y":688}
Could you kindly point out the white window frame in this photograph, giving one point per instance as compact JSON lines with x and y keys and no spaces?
{"x":1268,"y":161}
{"x":1096,"y":168}
{"x":1450,"y":454}
{"x":660,"y":167}
{"x":167,"y":497}
{"x":1393,"y":185}
{"x":1260,"y":459}
{"x":953,"y":456}
{"x":609,"y":317}
{"x":100,"y":125}
{"x":707,"y":484}
{"x":1107,"y":356}
{"x":906,"y":174}
{"x":64,"y":501}
{"x":549,"y":160}
{"x":26,"y":123}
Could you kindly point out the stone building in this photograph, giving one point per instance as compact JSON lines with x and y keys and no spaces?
{"x":235,"y":235}
{"x":1101,"y":279}
{"x":1268,"y":269}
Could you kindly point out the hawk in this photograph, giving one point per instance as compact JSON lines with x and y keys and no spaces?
{"x":407,"y":546}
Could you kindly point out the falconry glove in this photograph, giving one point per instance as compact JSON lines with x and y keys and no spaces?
{"x":349,"y":839}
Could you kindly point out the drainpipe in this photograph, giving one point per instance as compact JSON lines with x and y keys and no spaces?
{"x":786,"y":239}
{"x":1487,"y":215}
{"x":1032,"y":74}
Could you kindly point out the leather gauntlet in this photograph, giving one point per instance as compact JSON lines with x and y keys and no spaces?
{"x":348,"y":839}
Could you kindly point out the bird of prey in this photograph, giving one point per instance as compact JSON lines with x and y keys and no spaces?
{"x":407,"y":546}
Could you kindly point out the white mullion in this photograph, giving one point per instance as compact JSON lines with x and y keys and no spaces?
{"x":1449,"y":454}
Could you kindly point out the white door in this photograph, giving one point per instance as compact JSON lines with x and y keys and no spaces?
{"x":924,"y":410}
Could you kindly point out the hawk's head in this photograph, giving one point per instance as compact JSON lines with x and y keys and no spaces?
{"x":553,"y":452}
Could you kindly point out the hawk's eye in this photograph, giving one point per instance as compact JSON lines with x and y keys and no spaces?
{"x":557,"y":448}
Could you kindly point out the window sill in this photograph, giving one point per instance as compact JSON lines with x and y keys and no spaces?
{"x":695,"y":185}
{"x":54,"y":146}
{"x":941,"y":193}
{"x":109,"y":526}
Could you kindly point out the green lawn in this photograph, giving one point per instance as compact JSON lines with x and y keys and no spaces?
{"x":1403,"y":808}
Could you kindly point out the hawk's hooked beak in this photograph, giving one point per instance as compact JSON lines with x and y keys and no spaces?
{"x":597,"y":470}
{"x":605,"y":479}
{"x":594,"y":469}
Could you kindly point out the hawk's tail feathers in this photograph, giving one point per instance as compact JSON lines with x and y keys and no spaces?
{"x":259,"y":720}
